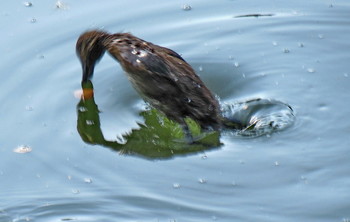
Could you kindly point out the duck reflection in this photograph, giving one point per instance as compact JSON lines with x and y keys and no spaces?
{"x":157,"y":138}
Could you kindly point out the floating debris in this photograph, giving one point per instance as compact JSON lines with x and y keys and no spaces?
{"x":23,"y":149}
{"x":28,"y":4}
{"x":186,"y":7}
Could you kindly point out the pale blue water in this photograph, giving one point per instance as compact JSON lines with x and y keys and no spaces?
{"x":300,"y":56}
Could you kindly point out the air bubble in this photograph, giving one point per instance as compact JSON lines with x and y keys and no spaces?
{"x":286,"y":50}
{"x":236,"y":64}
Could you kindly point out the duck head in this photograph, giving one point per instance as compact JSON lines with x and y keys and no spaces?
{"x":90,"y":49}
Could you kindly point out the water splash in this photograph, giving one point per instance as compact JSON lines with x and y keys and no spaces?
{"x":260,"y":116}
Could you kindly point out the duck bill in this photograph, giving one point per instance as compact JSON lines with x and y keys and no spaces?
{"x":87,"y":72}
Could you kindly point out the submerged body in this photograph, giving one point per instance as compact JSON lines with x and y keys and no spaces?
{"x":161,"y":76}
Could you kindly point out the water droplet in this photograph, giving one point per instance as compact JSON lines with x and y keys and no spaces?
{"x":69,"y":177}
{"x":200,"y":68}
{"x":311,"y":70}
{"x":204,"y":157}
{"x":277,"y":163}
{"x":176,"y":185}
{"x":346,"y":75}
{"x":29,"y":108}
{"x":285,"y":50}
{"x":274,"y":43}
{"x":23,"y":149}
{"x":301,"y":45}
{"x":33,"y":20}
{"x":188,"y":100}
{"x":320,"y":36}
{"x":236,"y":64}
{"x":87,"y":180}
{"x":28,"y":4}
{"x":138,"y":61}
{"x":134,"y":52}
{"x":202,"y":180}
{"x":230,"y":57}
{"x":186,"y":7}
{"x":90,"y":122}
{"x":234,"y":183}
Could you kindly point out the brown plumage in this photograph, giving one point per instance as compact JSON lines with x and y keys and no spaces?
{"x":161,"y":76}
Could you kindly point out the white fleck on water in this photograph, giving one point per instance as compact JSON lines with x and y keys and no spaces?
{"x":202,"y":180}
{"x":87,"y":180}
{"x":176,"y":185}
{"x":311,"y":70}
{"x":186,"y":7}
{"x":75,"y":191}
{"x":28,"y":4}
{"x":29,"y":108}
{"x":23,"y":149}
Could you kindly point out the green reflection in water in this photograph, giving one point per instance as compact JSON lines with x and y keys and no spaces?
{"x":157,"y":138}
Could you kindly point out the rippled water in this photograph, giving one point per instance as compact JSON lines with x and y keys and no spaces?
{"x":298,"y":55}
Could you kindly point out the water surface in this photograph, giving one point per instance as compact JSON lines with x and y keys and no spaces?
{"x":299,"y":56}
